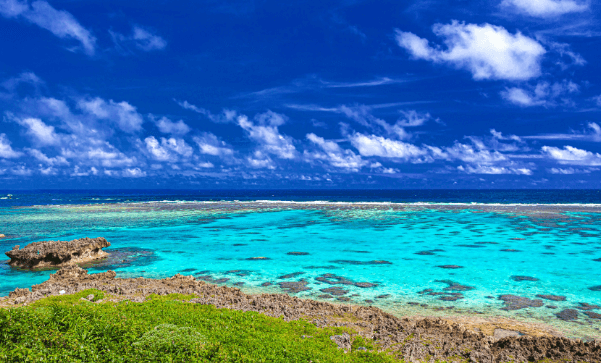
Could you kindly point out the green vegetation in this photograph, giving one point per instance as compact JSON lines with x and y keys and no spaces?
{"x":164,"y":329}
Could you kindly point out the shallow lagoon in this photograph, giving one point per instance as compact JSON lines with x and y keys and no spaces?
{"x":390,"y":255}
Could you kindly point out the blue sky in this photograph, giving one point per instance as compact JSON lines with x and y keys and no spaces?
{"x":291,"y":94}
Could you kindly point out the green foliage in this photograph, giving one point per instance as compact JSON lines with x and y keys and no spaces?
{"x":164,"y":329}
{"x":170,"y":338}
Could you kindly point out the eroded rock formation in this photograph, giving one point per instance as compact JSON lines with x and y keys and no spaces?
{"x":58,"y":253}
{"x":414,"y":340}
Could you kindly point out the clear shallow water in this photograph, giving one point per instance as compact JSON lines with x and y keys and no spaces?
{"x":399,"y":248}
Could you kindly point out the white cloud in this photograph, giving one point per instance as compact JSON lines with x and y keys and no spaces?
{"x":487,"y":51}
{"x":592,"y":133}
{"x":546,"y":8}
{"x":543,"y":94}
{"x":572,"y":156}
{"x":265,"y":132}
{"x":59,"y":22}
{"x":78,"y":172}
{"x":211,"y":145}
{"x":372,"y":145}
{"x":167,"y":149}
{"x":57,"y":160}
{"x":122,"y":113}
{"x":490,"y":169}
{"x":260,"y":160}
{"x":224,"y":117}
{"x":478,"y":155}
{"x":140,"y":38}
{"x":6,"y":151}
{"x":167,"y":126}
{"x":22,"y":170}
{"x":570,"y":171}
{"x":133,"y":173}
{"x":41,"y":133}
{"x":334,"y":155}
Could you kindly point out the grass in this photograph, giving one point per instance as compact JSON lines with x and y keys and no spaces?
{"x":164,"y":329}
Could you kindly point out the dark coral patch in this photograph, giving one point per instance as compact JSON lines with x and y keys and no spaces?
{"x":425,"y":253}
{"x":260,"y":258}
{"x":239,"y":244}
{"x":365,"y":285}
{"x":292,"y":275}
{"x":523,"y":278}
{"x":510,"y":250}
{"x":513,"y":302}
{"x":567,"y":314}
{"x":294,"y":287}
{"x":451,"y":267}
{"x":352,"y":262}
{"x":188,"y":270}
{"x":335,"y":290}
{"x":265,"y":284}
{"x":597,"y":260}
{"x":552,"y":297}
{"x":595,"y":288}
{"x":454,"y":286}
{"x":593,"y":315}
{"x":334,"y":279}
{"x":471,"y":246}
{"x":383,"y":296}
{"x":369,"y":301}
{"x":297,"y":253}
{"x":585,"y":306}
{"x":451,"y":297}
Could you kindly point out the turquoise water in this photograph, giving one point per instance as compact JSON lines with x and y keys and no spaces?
{"x":477,"y":252}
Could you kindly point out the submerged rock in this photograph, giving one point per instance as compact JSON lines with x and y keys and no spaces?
{"x":523,"y":278}
{"x":513,"y":302}
{"x":294,"y":287}
{"x":552,"y":297}
{"x":452,"y":267}
{"x":298,"y":253}
{"x":50,"y":254}
{"x":567,"y":314}
{"x":586,"y":306}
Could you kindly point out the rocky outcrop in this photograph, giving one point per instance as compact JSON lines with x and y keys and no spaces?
{"x":50,"y":254}
{"x":415,"y":340}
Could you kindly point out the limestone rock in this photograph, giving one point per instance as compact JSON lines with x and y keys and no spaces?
{"x":58,"y":253}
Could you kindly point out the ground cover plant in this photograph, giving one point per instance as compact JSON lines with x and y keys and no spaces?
{"x":164,"y":329}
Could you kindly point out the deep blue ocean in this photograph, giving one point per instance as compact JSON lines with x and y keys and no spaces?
{"x":428,"y":252}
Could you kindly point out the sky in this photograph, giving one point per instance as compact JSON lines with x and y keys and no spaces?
{"x":300,"y":94}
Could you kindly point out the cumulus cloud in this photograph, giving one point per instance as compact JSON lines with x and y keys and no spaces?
{"x":487,"y":51}
{"x":168,"y":149}
{"x":140,"y":38}
{"x":41,"y":133}
{"x":546,"y":8}
{"x":167,"y":126}
{"x":133,"y":173}
{"x":543,"y":94}
{"x":57,"y":160}
{"x":122,"y":113}
{"x":6,"y":151}
{"x":211,"y":145}
{"x":265,"y":132}
{"x":334,"y":155}
{"x":572,"y":156}
{"x":59,"y":22}
{"x":372,"y":145}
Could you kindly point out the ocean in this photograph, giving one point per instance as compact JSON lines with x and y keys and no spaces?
{"x":520,"y":254}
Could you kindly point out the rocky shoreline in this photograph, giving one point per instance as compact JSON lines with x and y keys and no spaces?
{"x":416,"y":339}
{"x":54,"y":254}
